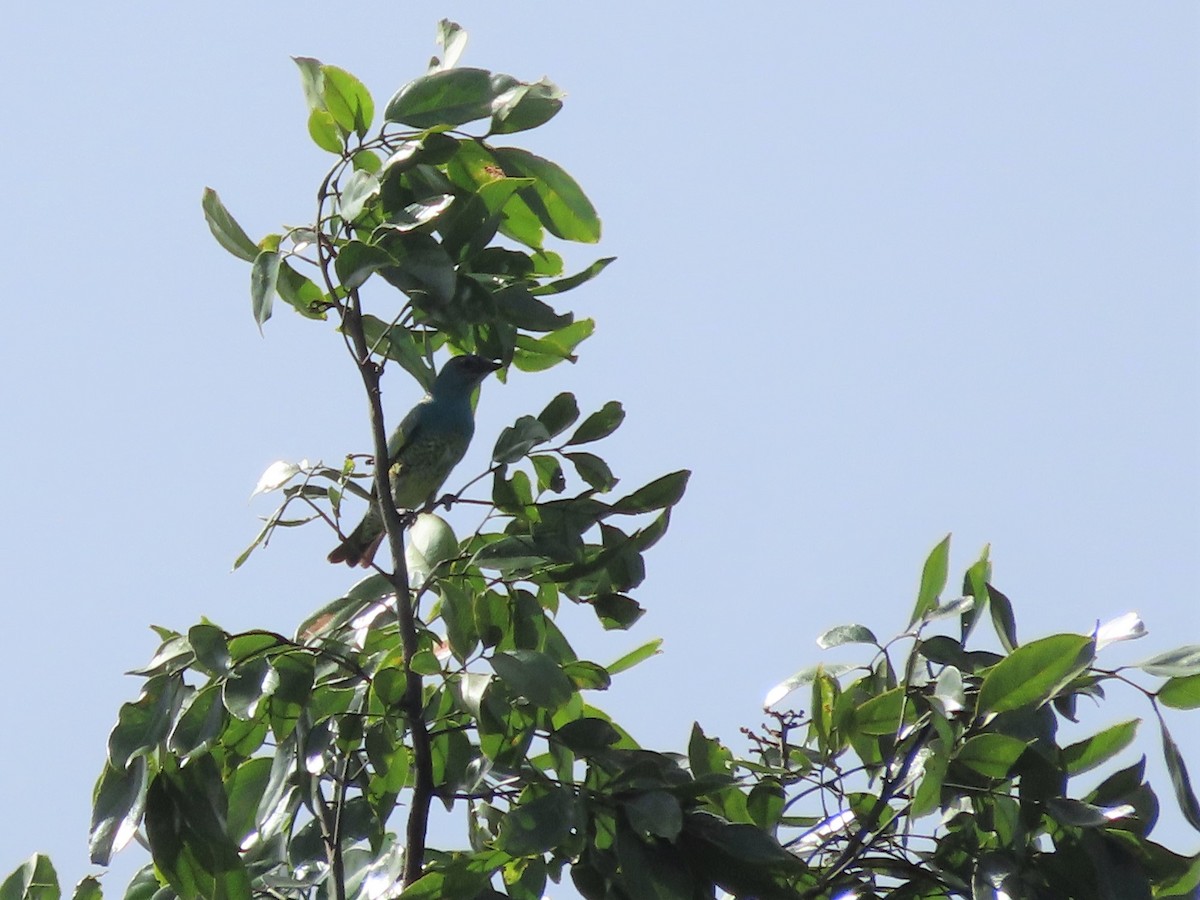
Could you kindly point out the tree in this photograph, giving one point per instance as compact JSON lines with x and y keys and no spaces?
{"x":257,"y":764}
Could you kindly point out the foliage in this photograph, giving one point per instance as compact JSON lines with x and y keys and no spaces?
{"x":260,"y":764}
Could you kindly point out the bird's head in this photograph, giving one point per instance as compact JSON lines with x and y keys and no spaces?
{"x":461,"y":374}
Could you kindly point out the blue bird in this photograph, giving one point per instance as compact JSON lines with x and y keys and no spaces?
{"x":423,"y":450}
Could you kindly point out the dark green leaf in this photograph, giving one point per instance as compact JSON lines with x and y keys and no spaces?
{"x":199,"y":724}
{"x":247,"y":686}
{"x":356,"y":262}
{"x":616,"y":611}
{"x":117,"y":805}
{"x":211,"y":648}
{"x":141,"y":725}
{"x":766,"y":803}
{"x":534,"y":676}
{"x":1099,"y":748}
{"x":517,"y":440}
{"x":655,"y":813}
{"x":225,"y":229}
{"x":1034,"y":673}
{"x":512,"y":553}
{"x":185,"y":813}
{"x":447,"y":97}
{"x":1180,"y":780}
{"x":587,"y":736}
{"x":559,"y":414}
{"x":523,"y":310}
{"x":933,"y":579}
{"x":658,"y":494}
{"x":34,"y":880}
{"x":593,"y":470}
{"x":556,"y":199}
{"x":599,"y":424}
{"x":538,"y":825}
{"x":526,"y":106}
{"x":1003,"y":619}
{"x":573,"y":281}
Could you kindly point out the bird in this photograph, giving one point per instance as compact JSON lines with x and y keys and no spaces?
{"x":429,"y":442}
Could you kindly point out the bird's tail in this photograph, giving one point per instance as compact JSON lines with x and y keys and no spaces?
{"x":359,"y":548}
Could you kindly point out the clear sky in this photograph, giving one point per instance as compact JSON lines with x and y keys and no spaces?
{"x":886,"y":271}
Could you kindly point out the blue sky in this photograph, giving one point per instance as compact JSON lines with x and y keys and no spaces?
{"x":886,"y":271}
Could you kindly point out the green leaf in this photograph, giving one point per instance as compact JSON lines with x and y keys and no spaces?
{"x":526,"y":106}
{"x":409,"y":348}
{"x":1182,"y":692}
{"x":658,"y":494}
{"x":312,"y":80}
{"x":143,"y":724}
{"x":559,"y":414}
{"x":617,"y":612}
{"x":766,"y":803}
{"x":847,"y":634}
{"x":511,"y":553}
{"x":599,"y":424}
{"x":538,"y":354}
{"x":538,"y":825}
{"x":35,"y":879}
{"x":1003,"y":619}
{"x":263,"y":276}
{"x":248,"y":686}
{"x":519,"y":307}
{"x":1099,"y":748}
{"x":324,"y":131}
{"x":347,"y":100}
{"x":633,"y":657}
{"x":358,"y":190}
{"x":185,"y":813}
{"x":476,"y":221}
{"x":300,"y":293}
{"x":515,"y":442}
{"x":556,"y":199}
{"x":453,"y":40}
{"x":655,"y":813}
{"x":573,"y":281}
{"x":199,"y":725}
{"x":991,"y":755}
{"x":933,"y":580}
{"x":89,"y":888}
{"x":587,"y":736}
{"x":593,"y":470}
{"x":447,"y":97}
{"x":534,"y":676}
{"x":1034,"y":673}
{"x":225,"y":229}
{"x":880,"y":714}
{"x":1180,"y":780}
{"x":117,"y":805}
{"x":1181,"y":661}
{"x":356,"y":262}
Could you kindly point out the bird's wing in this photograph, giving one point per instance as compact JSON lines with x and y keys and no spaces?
{"x":407,"y":431}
